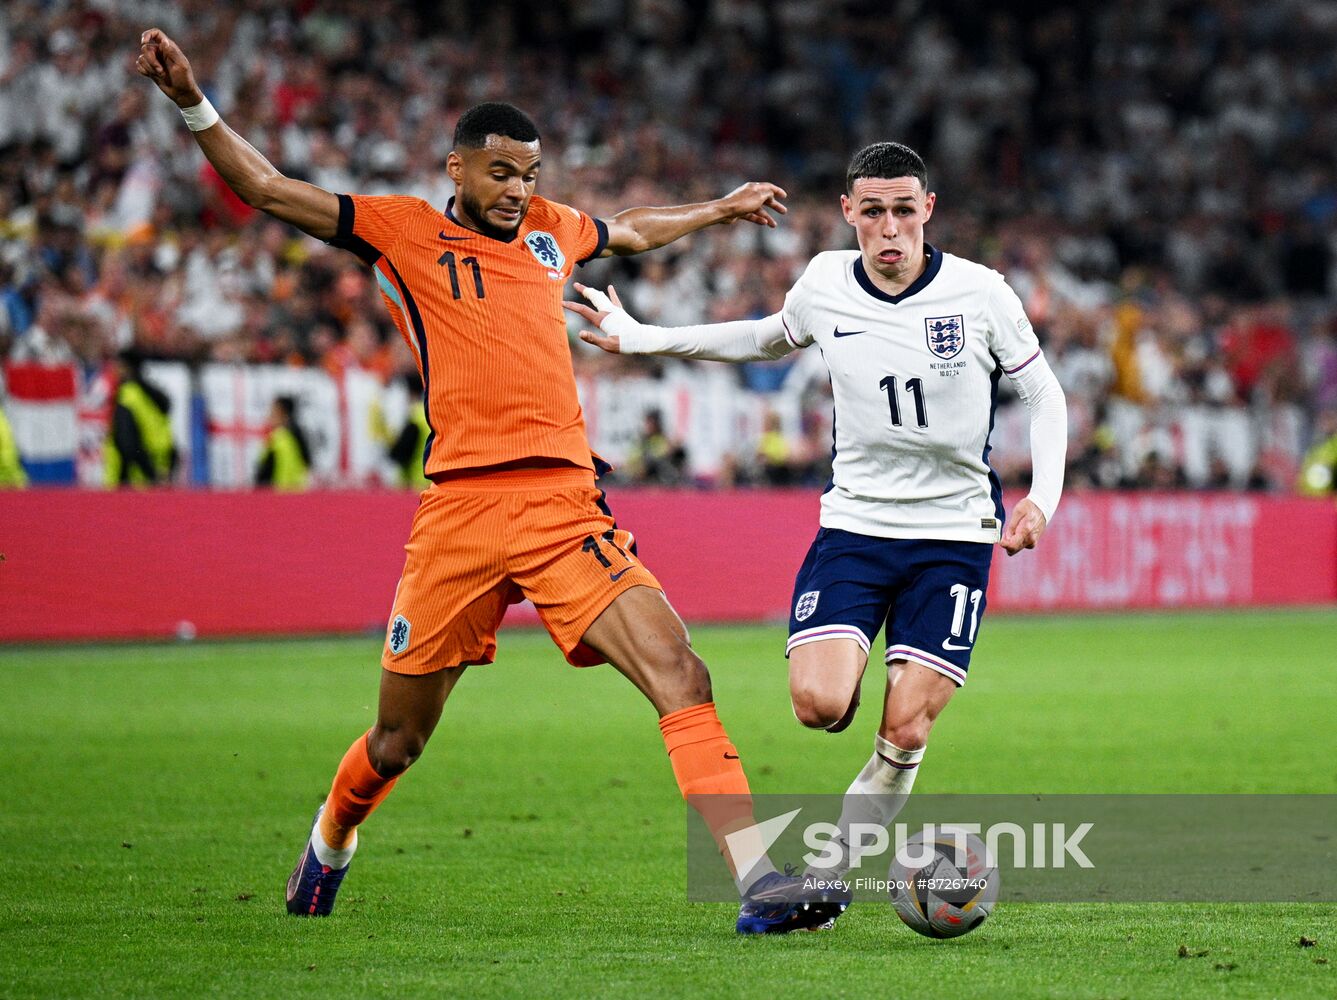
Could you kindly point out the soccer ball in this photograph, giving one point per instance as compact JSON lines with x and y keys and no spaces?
{"x":939,"y":891}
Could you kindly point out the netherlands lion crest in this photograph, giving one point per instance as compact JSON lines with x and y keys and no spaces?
{"x":399,"y":634}
{"x":546,"y":251}
{"x":946,"y":335}
{"x":806,"y":605}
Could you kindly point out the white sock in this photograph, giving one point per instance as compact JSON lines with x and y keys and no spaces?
{"x":875,"y":796}
{"x":745,"y":880}
{"x":327,"y":855}
{"x":749,"y":856}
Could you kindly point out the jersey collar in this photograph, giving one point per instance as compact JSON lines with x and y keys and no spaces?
{"x":450,"y":214}
{"x":918,"y":285}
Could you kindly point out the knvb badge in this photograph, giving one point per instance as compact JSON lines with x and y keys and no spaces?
{"x":546,"y":251}
{"x":946,"y":335}
{"x":399,"y":634}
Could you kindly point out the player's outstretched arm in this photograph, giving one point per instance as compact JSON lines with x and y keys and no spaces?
{"x":311,"y":209}
{"x":637,"y":230}
{"x":617,"y":332}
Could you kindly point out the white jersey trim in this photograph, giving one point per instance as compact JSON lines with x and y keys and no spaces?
{"x":881,"y":519}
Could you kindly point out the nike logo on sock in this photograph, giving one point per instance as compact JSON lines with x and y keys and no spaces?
{"x":731,"y":756}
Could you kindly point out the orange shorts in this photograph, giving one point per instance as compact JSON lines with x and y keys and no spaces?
{"x":481,"y":544}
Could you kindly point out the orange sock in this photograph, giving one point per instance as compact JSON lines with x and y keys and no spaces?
{"x":711,"y":777}
{"x":357,"y":790}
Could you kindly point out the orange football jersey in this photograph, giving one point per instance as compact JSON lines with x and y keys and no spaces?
{"x":484,"y":319}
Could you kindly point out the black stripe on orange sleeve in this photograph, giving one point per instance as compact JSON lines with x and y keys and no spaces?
{"x":599,"y":244}
{"x":420,"y":334}
{"x":346,"y":239}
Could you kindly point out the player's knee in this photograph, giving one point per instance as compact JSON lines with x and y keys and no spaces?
{"x":393,"y":751}
{"x":818,"y":706}
{"x":679,"y":679}
{"x":910,"y":733}
{"x":694,"y":675}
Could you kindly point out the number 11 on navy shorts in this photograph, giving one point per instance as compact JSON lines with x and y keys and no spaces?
{"x":929,"y":592}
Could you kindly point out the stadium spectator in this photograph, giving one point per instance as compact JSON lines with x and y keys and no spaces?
{"x":777,"y":459}
{"x":140,"y":450}
{"x":1318,"y":472}
{"x":12,"y":475}
{"x":408,"y":447}
{"x":285,"y":463}
{"x":657,"y":458}
{"x":1112,"y":161}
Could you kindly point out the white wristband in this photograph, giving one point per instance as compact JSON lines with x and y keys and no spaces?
{"x":621,"y":324}
{"x":200,"y":117}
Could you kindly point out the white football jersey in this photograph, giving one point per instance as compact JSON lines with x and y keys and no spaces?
{"x":915,"y":380}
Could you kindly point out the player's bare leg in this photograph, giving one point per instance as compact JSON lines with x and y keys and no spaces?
{"x":409,"y":709}
{"x":644,"y":639}
{"x":824,"y":679}
{"x":915,"y":698}
{"x":407,"y":713}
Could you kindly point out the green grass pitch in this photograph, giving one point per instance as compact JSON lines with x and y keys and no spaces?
{"x":157,"y":797}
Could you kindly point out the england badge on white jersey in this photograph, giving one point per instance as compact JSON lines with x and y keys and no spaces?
{"x":946,"y":335}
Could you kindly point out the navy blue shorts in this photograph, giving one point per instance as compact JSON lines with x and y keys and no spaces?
{"x":930,"y":593}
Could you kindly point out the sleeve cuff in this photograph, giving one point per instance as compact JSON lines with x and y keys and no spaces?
{"x":1047,"y":506}
{"x":344,"y":229}
{"x":600,"y":227}
{"x":343,"y":234}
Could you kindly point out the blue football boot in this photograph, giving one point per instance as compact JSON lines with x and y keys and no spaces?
{"x":312,"y":886}
{"x":830,"y":903}
{"x":779,"y":904}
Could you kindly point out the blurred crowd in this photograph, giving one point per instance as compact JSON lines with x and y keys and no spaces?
{"x":1157,"y":180}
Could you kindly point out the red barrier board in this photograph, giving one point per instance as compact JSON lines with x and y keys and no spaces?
{"x":84,"y":564}
{"x":90,"y":565}
{"x":1166,"y":550}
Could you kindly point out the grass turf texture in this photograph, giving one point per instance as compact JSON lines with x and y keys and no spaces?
{"x":158,"y":796}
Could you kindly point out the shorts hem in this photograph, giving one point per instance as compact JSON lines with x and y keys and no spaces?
{"x":581,"y":625}
{"x":818,"y":633}
{"x":422,"y":669}
{"x":949,"y":670}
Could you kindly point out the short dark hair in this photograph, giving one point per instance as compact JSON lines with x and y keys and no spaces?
{"x":288,"y":404}
{"x":886,"y":160}
{"x":493,"y":118}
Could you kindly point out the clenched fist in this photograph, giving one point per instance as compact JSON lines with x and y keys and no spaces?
{"x":163,"y":62}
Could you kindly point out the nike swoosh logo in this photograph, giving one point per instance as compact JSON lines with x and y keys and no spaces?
{"x":948,"y":644}
{"x":731,"y":756}
{"x":848,"y":333}
{"x":615,"y":577}
{"x":445,"y":237}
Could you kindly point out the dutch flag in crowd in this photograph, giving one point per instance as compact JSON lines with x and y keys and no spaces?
{"x":42,"y":406}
